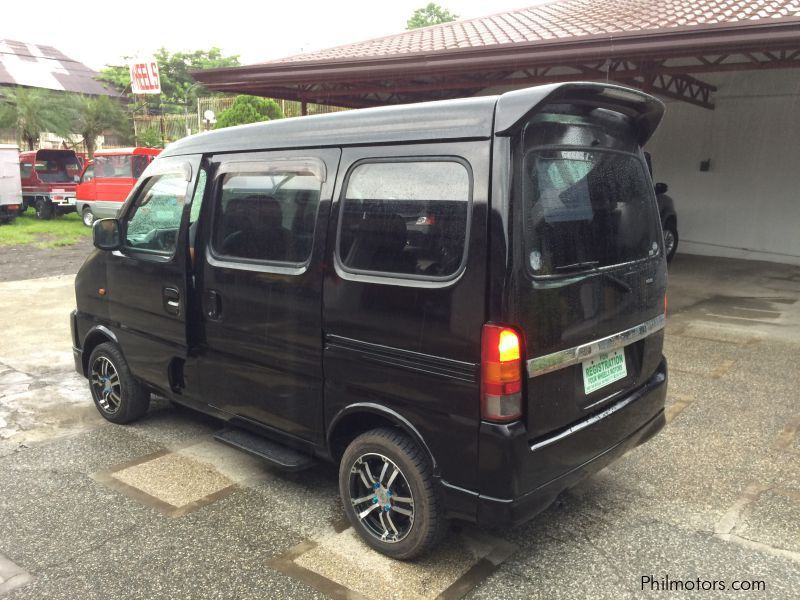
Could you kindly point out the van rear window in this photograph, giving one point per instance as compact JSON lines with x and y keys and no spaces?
{"x":586,"y":208}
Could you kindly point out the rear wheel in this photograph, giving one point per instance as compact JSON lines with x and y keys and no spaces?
{"x":118,"y":396}
{"x":44,"y":209}
{"x":386,"y":486}
{"x":670,"y":240}
{"x":87,"y":216}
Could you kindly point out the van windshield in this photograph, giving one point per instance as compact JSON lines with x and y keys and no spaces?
{"x":586,"y":208}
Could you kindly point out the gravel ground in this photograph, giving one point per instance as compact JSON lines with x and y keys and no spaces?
{"x":29,"y":262}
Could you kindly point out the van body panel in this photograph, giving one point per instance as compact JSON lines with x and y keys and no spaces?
{"x":413,"y":345}
{"x":260,"y":357}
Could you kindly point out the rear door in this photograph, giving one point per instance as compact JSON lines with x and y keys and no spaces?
{"x":588,"y":270}
{"x":261,"y":287}
{"x":146,"y":281}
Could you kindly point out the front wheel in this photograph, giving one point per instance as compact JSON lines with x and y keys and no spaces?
{"x":386,"y":486}
{"x":118,"y":396}
{"x":87,"y":216}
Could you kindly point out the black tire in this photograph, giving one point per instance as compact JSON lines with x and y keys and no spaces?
{"x":44,"y":210}
{"x":87,"y":215}
{"x":670,"y":230}
{"x":128,"y":399}
{"x":414,"y":535}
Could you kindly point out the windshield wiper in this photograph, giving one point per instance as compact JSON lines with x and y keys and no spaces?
{"x":578,"y":266}
{"x":590,"y":265}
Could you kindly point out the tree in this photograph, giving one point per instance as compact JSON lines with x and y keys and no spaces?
{"x":93,"y":116}
{"x":176,"y":82}
{"x":150,"y":138}
{"x":249,"y":109}
{"x":433,"y":14}
{"x":30,"y":111}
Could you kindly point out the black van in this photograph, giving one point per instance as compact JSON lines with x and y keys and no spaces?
{"x":461,"y":302}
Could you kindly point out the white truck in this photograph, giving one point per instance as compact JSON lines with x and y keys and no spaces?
{"x":10,"y":183}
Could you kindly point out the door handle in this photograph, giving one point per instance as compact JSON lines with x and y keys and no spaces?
{"x":213,"y":303}
{"x":172,"y":300}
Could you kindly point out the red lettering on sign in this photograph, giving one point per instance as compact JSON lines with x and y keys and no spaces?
{"x":154,"y":70}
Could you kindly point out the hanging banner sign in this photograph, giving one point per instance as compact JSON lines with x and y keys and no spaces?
{"x":144,"y":76}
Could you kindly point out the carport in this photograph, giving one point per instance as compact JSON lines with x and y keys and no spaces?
{"x":727,"y":69}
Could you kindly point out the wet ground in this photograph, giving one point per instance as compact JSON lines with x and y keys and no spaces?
{"x":160,"y":510}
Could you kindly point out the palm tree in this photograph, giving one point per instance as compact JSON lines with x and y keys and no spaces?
{"x":94,"y":115}
{"x":30,"y":111}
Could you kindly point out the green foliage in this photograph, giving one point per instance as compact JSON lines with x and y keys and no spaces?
{"x":432,"y":14}
{"x":30,"y":111}
{"x":95,"y":115}
{"x":173,"y":71}
{"x":249,"y":109}
{"x":150,"y":138}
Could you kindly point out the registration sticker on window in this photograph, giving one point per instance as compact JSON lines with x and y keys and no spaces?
{"x":603,"y":370}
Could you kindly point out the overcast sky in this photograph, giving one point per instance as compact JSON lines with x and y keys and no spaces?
{"x":102,"y":32}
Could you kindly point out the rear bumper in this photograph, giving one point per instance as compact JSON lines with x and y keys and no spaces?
{"x":537,"y":471}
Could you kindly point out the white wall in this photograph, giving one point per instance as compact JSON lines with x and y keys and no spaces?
{"x":748,"y":204}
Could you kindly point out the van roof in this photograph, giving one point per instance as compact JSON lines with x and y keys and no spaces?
{"x":28,"y":153}
{"x":463,"y":118}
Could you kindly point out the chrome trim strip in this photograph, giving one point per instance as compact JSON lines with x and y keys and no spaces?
{"x":587,"y":423}
{"x":572,"y":356}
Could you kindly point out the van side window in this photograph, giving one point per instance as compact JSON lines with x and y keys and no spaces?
{"x":267,"y":216}
{"x":153,"y":222}
{"x":405,"y":217}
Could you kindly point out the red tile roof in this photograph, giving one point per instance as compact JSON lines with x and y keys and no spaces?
{"x":562,"y":20}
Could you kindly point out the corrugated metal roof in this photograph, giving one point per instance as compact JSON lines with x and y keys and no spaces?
{"x":562,"y":20}
{"x":33,"y":65}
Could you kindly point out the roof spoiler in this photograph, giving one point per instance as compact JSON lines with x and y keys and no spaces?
{"x":513,"y":108}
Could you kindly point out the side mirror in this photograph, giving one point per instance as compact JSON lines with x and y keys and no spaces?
{"x":105,"y":234}
{"x":661,"y":188}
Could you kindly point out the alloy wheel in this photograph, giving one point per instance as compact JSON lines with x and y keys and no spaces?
{"x":381,"y":497}
{"x":106,"y":385}
{"x":669,"y":241}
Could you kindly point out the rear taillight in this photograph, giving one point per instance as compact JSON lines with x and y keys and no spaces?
{"x":665,"y":304}
{"x":501,"y":374}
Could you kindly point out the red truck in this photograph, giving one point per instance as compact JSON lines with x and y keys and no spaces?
{"x":48,"y":181}
{"x":107,"y":180}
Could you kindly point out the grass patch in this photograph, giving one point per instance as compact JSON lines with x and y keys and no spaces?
{"x":55,"y":233}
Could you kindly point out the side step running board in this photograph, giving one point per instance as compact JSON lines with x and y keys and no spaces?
{"x":280,"y":456}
